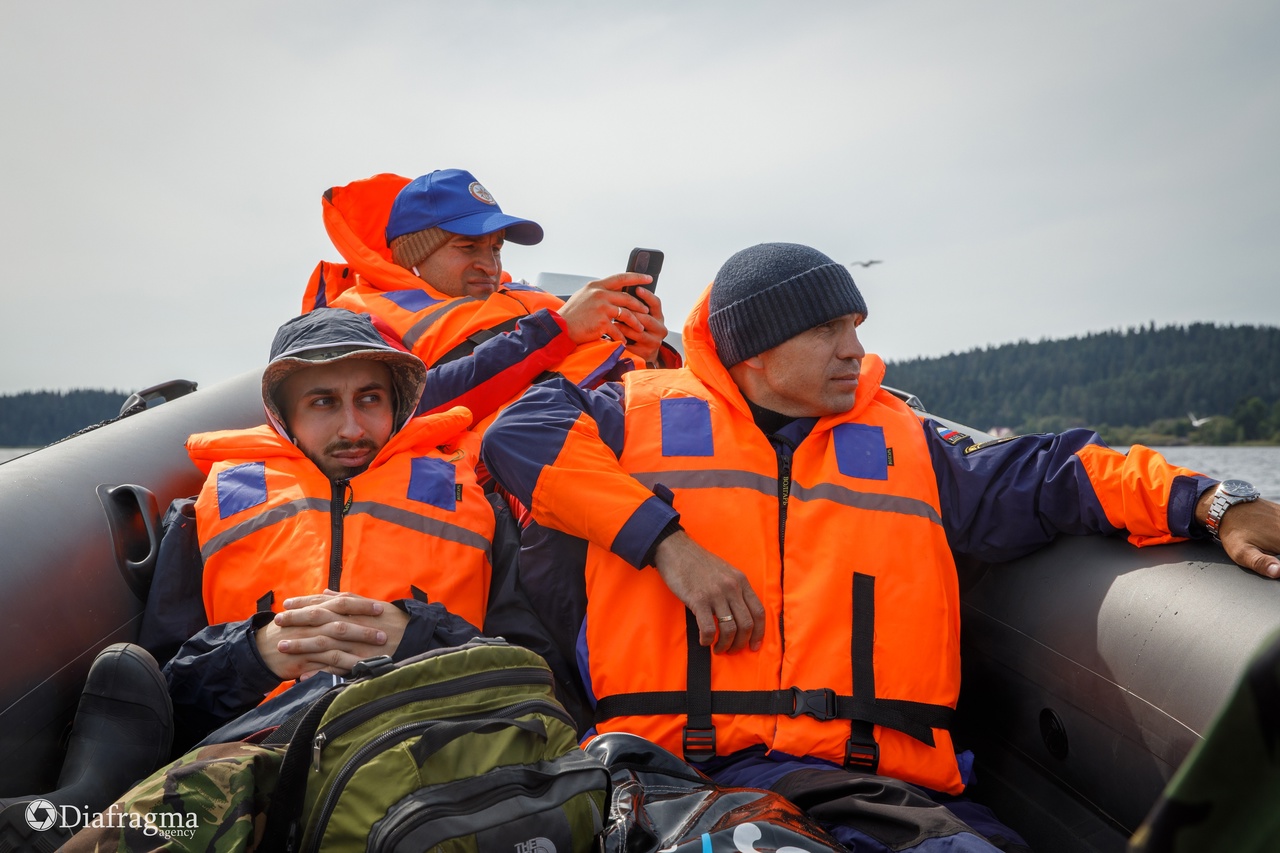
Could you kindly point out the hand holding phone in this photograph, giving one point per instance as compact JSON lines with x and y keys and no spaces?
{"x":648,"y":262}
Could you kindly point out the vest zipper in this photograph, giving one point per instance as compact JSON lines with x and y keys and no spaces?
{"x":338,"y":505}
{"x":783,"y":449}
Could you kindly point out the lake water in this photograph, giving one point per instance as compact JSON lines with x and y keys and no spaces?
{"x":1258,"y":465}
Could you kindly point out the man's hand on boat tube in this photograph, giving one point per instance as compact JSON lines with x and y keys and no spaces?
{"x":329,"y":632}
{"x":1250,"y":533}
{"x":601,"y":309}
{"x":713,"y":590}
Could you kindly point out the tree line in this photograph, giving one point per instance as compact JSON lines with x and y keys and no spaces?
{"x":37,"y":418}
{"x":1139,"y":385}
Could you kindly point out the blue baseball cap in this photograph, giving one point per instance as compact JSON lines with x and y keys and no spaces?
{"x":454,"y":201}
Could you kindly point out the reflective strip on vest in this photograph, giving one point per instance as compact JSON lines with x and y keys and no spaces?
{"x":418,"y":329}
{"x":727,"y":478}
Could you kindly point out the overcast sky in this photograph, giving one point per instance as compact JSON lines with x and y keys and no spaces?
{"x":1022,"y":170}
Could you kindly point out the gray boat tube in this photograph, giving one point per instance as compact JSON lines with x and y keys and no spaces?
{"x":1089,"y":668}
{"x":79,"y":531}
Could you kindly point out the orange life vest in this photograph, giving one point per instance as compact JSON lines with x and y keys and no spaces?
{"x":415,"y":524}
{"x":847,"y":553}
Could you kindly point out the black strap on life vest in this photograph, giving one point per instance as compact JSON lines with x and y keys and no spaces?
{"x":476,"y":338}
{"x":264,"y":603}
{"x":418,"y":594}
{"x":698,"y":702}
{"x":861,"y":752}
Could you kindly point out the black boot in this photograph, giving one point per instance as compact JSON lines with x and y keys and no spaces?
{"x":122,"y":731}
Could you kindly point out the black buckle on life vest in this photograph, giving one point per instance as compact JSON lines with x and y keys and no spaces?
{"x":819,"y":704}
{"x":861,"y":756}
{"x":699,"y":744}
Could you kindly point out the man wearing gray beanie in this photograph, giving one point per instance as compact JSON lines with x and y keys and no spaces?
{"x":798,"y":521}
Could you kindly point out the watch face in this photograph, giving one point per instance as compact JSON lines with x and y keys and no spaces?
{"x":1238,"y":488}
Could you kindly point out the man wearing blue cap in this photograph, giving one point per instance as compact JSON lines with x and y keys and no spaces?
{"x":424,"y":258}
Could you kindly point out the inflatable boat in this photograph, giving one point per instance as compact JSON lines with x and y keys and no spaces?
{"x":1091,"y":668}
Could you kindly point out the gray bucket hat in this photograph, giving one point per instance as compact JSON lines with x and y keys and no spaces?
{"x":326,"y":335}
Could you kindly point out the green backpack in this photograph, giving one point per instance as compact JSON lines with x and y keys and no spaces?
{"x":463,"y":749}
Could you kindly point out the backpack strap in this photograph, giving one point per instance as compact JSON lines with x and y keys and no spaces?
{"x":284,"y":815}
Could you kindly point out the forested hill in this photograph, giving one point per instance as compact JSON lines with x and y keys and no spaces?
{"x":1140,"y":378}
{"x":1136,"y":385}
{"x":37,"y":418}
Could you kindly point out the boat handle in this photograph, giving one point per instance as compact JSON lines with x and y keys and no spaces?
{"x":164,"y":392}
{"x":133,"y":514}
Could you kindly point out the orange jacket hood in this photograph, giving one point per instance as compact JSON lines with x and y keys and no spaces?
{"x":355,"y":217}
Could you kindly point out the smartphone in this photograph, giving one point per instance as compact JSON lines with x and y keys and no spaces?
{"x":648,"y":262}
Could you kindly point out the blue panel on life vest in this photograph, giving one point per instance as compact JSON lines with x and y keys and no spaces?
{"x":686,"y":427}
{"x":411,"y":300}
{"x":433,"y":481}
{"x":241,"y":488}
{"x":860,"y":451}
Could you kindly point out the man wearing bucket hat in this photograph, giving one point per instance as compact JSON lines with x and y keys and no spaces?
{"x":342,"y":529}
{"x":323,"y":534}
{"x":799,"y":520}
{"x":424,"y":257}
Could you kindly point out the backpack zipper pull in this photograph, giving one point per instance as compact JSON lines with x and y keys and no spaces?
{"x":317,"y":744}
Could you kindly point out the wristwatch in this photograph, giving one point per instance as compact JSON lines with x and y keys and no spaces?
{"x":1230,"y":493}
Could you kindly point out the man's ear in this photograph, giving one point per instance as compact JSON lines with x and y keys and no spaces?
{"x":745,"y":374}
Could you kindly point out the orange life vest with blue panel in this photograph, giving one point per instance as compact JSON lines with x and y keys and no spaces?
{"x":847,"y":541}
{"x":415,"y":524}
{"x":860,"y":662}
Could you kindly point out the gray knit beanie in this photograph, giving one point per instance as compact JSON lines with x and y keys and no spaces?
{"x":772,"y":292}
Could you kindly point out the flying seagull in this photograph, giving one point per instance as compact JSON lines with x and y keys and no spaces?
{"x":1199,"y":422}
{"x":861,"y":263}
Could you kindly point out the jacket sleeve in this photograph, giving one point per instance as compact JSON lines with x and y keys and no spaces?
{"x":431,"y":627}
{"x":174,"y":610}
{"x":216,"y":676}
{"x":556,"y":449}
{"x":1005,"y":498}
{"x":499,"y":368}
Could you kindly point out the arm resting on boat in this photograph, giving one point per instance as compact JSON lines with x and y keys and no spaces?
{"x":1006,"y":498}
{"x":1250,"y":533}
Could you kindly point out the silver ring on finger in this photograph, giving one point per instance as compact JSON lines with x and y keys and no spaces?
{"x":724,"y":618}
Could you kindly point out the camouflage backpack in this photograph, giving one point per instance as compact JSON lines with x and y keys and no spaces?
{"x":214,"y":799}
{"x":463,"y":749}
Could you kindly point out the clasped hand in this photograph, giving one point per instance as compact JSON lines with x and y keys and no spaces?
{"x":329,"y":632}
